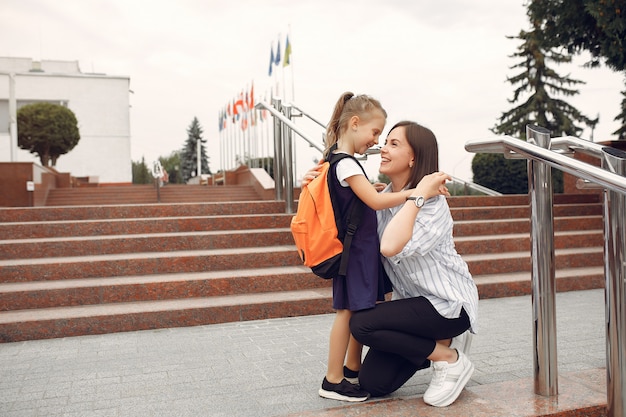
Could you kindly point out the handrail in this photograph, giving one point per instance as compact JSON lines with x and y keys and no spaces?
{"x":287,"y":122}
{"x":308,"y":115}
{"x":541,"y":153}
{"x":477,"y":187}
{"x":505,"y":144}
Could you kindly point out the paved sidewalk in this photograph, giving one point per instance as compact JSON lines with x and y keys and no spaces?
{"x":258,"y":368}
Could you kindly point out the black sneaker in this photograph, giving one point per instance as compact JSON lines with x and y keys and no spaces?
{"x":350,"y":375}
{"x":344,"y":391}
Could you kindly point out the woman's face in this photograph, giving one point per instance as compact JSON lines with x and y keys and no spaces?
{"x":396,"y":155}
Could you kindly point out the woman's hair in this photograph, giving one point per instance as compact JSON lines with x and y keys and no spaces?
{"x":425,"y":150}
{"x":347,"y":106}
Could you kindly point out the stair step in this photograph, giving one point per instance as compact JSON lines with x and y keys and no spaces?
{"x":119,"y":317}
{"x":72,"y":267}
{"x":519,"y":283}
{"x":139,"y":211}
{"x":25,"y":230}
{"x":154,"y":242}
{"x":517,"y":242}
{"x":73,"y":292}
{"x":511,"y":262}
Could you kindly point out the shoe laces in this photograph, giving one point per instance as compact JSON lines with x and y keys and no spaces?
{"x":440,"y":370}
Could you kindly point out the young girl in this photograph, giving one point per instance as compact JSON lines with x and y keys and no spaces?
{"x":355,"y":126}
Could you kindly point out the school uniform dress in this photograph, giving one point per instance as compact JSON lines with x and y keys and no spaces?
{"x":365,"y":281}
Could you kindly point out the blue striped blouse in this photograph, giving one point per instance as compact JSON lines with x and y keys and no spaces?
{"x":429,"y":264}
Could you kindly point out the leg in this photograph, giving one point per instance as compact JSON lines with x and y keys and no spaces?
{"x":334,"y":385}
{"x":355,"y":352}
{"x":383,"y":373}
{"x":408,"y":328}
{"x":338,"y":346}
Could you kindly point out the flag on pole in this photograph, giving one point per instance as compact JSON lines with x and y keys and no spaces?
{"x":286,"y":59}
{"x":271,"y":60}
{"x":251,"y":100}
{"x":277,"y":57}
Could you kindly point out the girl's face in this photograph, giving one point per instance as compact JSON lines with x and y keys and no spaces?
{"x":396,"y":156}
{"x":367,"y":133}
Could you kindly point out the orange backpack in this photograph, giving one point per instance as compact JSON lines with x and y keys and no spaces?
{"x":315,"y":226}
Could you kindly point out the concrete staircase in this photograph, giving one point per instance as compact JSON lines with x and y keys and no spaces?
{"x":93,"y":269}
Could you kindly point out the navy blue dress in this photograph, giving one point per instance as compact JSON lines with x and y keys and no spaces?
{"x":365,"y":282}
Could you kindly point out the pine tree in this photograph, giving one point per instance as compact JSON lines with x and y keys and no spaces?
{"x":621,"y":132}
{"x":538,"y":80}
{"x":189,"y":157}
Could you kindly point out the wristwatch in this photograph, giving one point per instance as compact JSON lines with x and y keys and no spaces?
{"x":419,"y":201}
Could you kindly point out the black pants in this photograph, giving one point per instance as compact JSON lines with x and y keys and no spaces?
{"x":400,"y":334}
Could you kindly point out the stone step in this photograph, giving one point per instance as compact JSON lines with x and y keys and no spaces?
{"x":46,"y":323}
{"x":137,"y":194}
{"x":74,"y":267}
{"x":104,"y":290}
{"x":512,"y":262}
{"x":138,"y":211}
{"x":463,"y":228}
{"x":142,"y":243}
{"x":70,"y":228}
{"x":519,"y":283}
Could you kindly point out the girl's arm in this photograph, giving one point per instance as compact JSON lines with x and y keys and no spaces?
{"x":368,"y":194}
{"x":400,"y":229}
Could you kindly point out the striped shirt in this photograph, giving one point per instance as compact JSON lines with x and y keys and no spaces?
{"x":429,"y":264}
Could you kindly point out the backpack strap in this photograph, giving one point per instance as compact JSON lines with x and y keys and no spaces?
{"x":356,"y":213}
{"x":354,"y":219}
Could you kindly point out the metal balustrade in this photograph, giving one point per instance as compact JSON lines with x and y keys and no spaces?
{"x":543,"y":153}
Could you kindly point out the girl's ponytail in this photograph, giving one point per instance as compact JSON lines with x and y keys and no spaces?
{"x":334,"y":126}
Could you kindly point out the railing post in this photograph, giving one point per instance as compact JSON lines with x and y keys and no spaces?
{"x":288,"y":161}
{"x":543,"y":275}
{"x":278,"y":152}
{"x":615,"y":289}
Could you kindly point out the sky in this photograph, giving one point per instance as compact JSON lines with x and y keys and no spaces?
{"x":443,"y":64}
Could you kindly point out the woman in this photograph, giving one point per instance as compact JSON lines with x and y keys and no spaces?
{"x":434,"y":296}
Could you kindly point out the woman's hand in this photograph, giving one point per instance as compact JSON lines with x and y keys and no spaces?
{"x":311,"y":174}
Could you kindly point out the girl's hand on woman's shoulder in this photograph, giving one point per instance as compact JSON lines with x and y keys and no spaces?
{"x":433,"y":185}
{"x":379,"y":186}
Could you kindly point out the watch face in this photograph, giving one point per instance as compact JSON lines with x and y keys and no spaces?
{"x":419,"y":201}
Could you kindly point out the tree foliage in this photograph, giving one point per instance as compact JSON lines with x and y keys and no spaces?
{"x":48,"y":130}
{"x":141,"y":173}
{"x":507,"y":176}
{"x":172,"y":165}
{"x":594,"y":26}
{"x":189,"y":156}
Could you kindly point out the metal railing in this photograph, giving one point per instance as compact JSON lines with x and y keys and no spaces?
{"x":542,"y":153}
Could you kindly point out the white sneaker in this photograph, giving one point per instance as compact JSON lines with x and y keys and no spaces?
{"x":462,"y":342}
{"x":448,"y":381}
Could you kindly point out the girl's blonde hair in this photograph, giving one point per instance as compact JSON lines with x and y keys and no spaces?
{"x":347,"y":106}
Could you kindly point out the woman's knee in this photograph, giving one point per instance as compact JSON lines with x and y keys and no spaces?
{"x":374,"y":385}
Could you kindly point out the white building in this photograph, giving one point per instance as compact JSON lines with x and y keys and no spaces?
{"x":99,"y":101}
